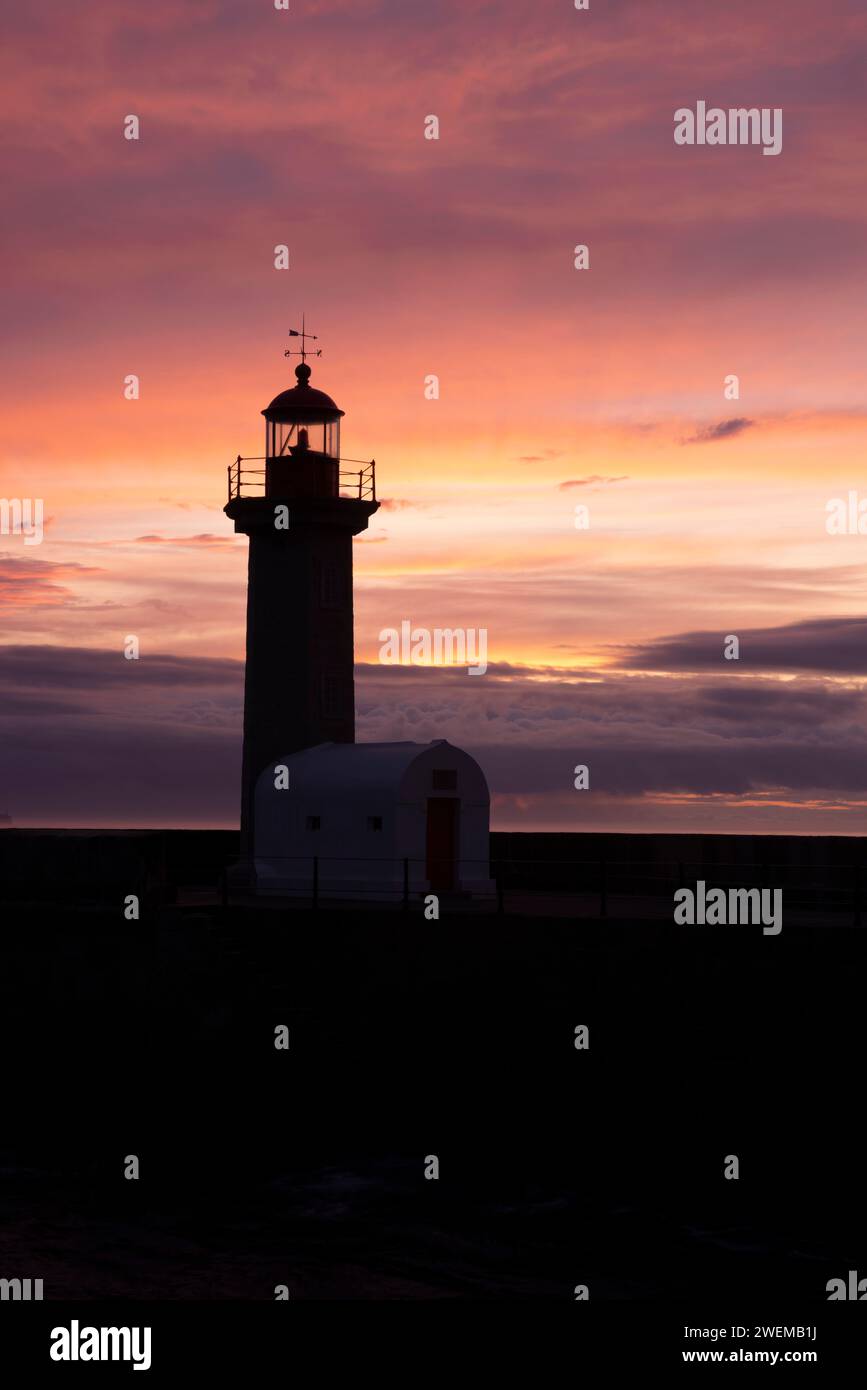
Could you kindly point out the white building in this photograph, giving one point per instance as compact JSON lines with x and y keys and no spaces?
{"x":368,"y":820}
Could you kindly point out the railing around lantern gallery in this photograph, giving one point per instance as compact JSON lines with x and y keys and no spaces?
{"x":357,"y":483}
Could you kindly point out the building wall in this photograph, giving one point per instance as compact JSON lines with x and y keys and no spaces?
{"x":350,"y":853}
{"x":299,"y":679}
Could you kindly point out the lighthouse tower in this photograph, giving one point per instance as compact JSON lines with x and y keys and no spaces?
{"x":300,"y":511}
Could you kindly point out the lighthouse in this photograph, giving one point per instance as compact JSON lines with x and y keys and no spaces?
{"x":321,"y":813}
{"x":300,"y":511}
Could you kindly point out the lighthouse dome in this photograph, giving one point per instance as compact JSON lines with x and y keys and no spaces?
{"x":302,"y":403}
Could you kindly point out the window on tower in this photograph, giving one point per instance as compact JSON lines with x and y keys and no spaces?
{"x":283,"y":436}
{"x":333,"y":586}
{"x":336,"y":697}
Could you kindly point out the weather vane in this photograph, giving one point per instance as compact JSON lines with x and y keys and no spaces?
{"x":303,"y":335}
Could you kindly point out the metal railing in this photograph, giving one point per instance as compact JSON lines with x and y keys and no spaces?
{"x":598,"y":888}
{"x":354,"y":483}
{"x":641,"y":890}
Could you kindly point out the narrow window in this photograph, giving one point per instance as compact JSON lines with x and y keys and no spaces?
{"x":336,"y":696}
{"x":333,"y":589}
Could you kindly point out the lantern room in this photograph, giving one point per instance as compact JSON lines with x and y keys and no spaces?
{"x":302,"y":442}
{"x":302,"y":419}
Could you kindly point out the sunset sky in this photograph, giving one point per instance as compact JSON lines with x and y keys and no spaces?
{"x":558,"y":387}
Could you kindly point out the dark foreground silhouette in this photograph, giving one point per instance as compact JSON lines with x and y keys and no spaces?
{"x":410,"y":1038}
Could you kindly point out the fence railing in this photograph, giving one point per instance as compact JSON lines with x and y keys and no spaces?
{"x":355,"y":483}
{"x":598,"y":888}
{"x":601,"y":887}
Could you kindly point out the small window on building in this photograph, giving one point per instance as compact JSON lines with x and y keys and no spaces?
{"x":333,"y":590}
{"x":374,"y":822}
{"x":336,"y":697}
{"x":445,"y":779}
{"x":314,"y":823}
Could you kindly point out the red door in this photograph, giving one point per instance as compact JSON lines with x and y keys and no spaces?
{"x":442,"y":828}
